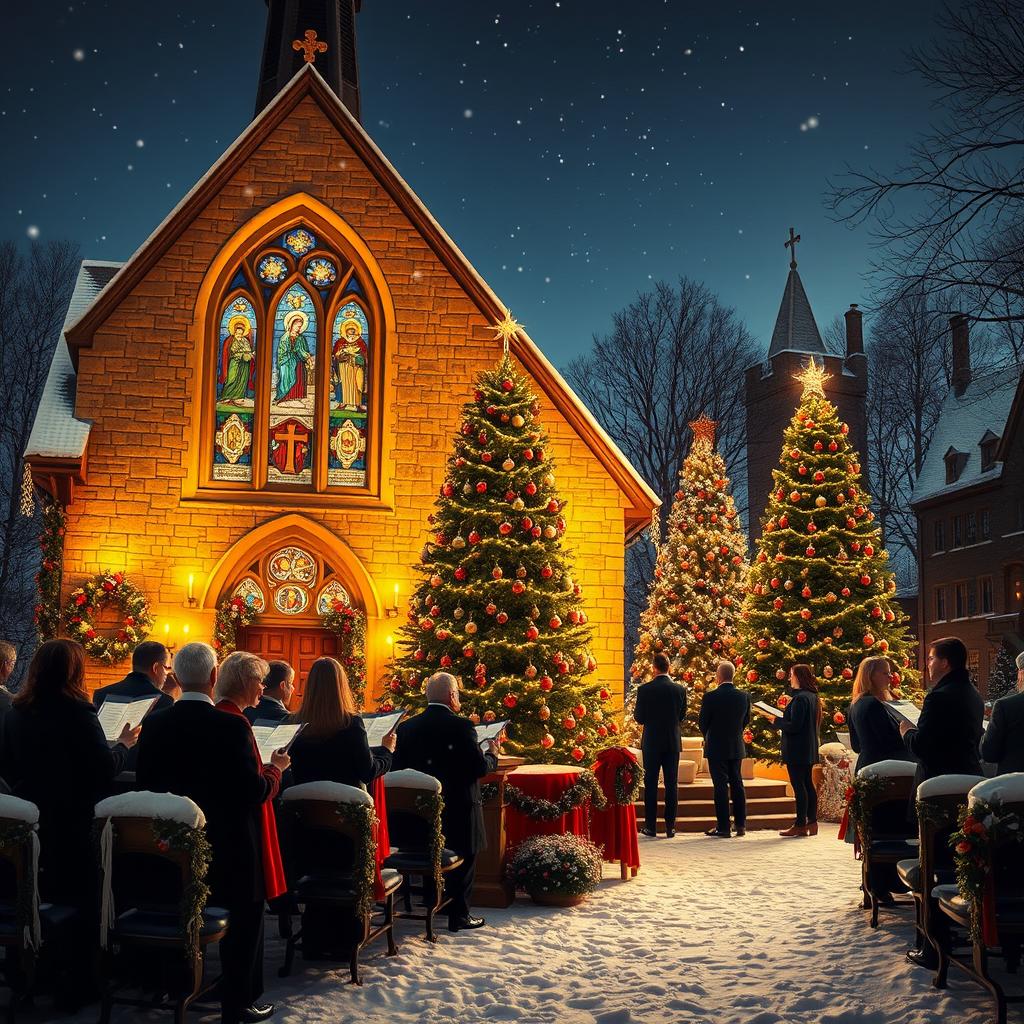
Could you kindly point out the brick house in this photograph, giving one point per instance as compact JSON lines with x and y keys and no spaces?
{"x":260,"y":401}
{"x":969,"y":502}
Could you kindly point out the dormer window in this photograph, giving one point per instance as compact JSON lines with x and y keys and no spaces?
{"x":955,"y":462}
{"x":988,"y":445}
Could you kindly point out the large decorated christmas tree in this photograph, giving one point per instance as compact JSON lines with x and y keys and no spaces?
{"x":699,"y":578}
{"x":498,"y":606}
{"x":819,"y":590}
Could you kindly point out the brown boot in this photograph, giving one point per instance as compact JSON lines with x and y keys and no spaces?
{"x":795,"y":830}
{"x":812,"y":828}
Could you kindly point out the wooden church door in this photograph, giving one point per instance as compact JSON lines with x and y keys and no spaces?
{"x":299,"y":647}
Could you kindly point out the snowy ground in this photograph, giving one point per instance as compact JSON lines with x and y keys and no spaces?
{"x":759,"y":930}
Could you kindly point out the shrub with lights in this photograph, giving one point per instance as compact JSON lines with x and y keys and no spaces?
{"x":819,"y":590}
{"x":497,"y":605}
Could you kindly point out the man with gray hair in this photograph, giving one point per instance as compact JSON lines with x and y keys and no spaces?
{"x":1003,"y":740}
{"x":724,"y":714}
{"x":195,"y":750}
{"x":441,"y":743}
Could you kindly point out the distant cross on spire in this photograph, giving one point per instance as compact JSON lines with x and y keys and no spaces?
{"x":791,"y":244}
{"x":311,"y":46}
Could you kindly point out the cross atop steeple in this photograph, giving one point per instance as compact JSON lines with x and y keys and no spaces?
{"x":310,"y":45}
{"x":791,"y":244}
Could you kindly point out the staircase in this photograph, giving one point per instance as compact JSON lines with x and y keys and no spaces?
{"x":768,"y":806}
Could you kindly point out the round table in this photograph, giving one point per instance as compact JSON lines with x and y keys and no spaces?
{"x":547,"y":781}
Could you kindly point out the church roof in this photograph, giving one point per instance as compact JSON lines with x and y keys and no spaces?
{"x":641,"y":499}
{"x":964,"y":422}
{"x":795,"y":328}
{"x":56,"y":433}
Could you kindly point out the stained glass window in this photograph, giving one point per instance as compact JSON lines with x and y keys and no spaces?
{"x":331,"y":593}
{"x":251,"y":593}
{"x":350,"y":366}
{"x":291,"y":599}
{"x":292,"y":565}
{"x":236,"y":391}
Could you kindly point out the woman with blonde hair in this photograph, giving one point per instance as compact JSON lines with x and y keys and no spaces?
{"x":333,"y":745}
{"x":874,"y":734}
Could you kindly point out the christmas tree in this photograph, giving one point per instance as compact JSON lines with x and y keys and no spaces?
{"x":699,"y":578}
{"x":1002,"y":680}
{"x":497,"y":605}
{"x":819,"y":591}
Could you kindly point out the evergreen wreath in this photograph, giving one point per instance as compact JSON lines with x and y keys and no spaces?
{"x":51,"y":569}
{"x":178,"y":837}
{"x":85,"y":602}
{"x":629,"y":780}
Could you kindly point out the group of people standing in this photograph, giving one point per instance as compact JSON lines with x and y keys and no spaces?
{"x":197,"y":742}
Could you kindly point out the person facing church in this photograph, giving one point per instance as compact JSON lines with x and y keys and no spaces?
{"x":333,"y":744}
{"x":660,"y":708}
{"x":441,"y":743}
{"x":278,"y":688}
{"x":724,"y":714}
{"x":1003,"y":741}
{"x":208,"y":754}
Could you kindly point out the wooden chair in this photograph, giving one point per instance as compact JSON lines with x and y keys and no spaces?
{"x":939,"y":802}
{"x":414,"y":805}
{"x":884,"y":827}
{"x":330,"y":862}
{"x":153,"y":862}
{"x":956,"y":908}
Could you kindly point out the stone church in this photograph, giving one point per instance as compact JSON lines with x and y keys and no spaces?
{"x":260,"y":401}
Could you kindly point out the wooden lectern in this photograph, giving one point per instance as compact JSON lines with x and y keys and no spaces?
{"x":490,"y":888}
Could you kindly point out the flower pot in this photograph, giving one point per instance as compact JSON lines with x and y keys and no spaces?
{"x":557,"y":899}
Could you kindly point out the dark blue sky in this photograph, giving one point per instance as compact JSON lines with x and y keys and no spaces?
{"x":576,"y":151}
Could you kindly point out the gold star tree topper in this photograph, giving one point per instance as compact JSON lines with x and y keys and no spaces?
{"x":813,"y":378}
{"x":703,"y":429}
{"x":506,"y":328}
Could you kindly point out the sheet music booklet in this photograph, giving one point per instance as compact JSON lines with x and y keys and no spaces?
{"x":271,"y":736}
{"x":769,"y":709}
{"x":490,"y":731}
{"x":379,"y":725}
{"x":114,"y":714}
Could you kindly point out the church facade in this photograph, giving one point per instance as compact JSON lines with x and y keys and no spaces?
{"x":260,"y":402}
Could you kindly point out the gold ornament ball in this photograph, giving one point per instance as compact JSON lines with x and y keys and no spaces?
{"x":820,"y":501}
{"x":458,"y":613}
{"x":518,"y":421}
{"x":471,"y":627}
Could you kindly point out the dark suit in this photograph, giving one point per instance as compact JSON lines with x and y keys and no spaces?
{"x":724,"y":713}
{"x":268,"y":710}
{"x":194,"y":750}
{"x":874,"y":734}
{"x":440,"y":743}
{"x":949,"y":729}
{"x":134,"y":686}
{"x":799,"y":725}
{"x":660,"y":708}
{"x":344,"y":756}
{"x":1003,"y":741}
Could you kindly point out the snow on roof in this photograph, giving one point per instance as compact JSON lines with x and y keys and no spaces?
{"x":963,"y":422}
{"x":56,"y":433}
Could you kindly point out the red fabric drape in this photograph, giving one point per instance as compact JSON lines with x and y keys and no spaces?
{"x":614,"y":828}
{"x":549,"y":782}
{"x":377,"y":791}
{"x":273,"y":868}
{"x":989,"y":931}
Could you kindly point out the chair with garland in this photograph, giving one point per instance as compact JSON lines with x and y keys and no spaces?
{"x":613,"y":827}
{"x":939,"y":803}
{"x":330,"y":846}
{"x":414,"y":805}
{"x":886,"y":834}
{"x":988,"y":901}
{"x":155,"y":925}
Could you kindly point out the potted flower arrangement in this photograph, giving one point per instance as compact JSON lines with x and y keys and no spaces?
{"x":556,"y":870}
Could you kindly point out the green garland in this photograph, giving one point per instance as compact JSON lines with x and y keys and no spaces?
{"x":984,"y":828}
{"x":934,"y":815}
{"x":93,"y":594}
{"x":585,"y":789}
{"x":432,"y":804}
{"x":15,"y":834}
{"x":564,"y":865}
{"x":857,"y":794}
{"x":232,"y":615}
{"x":629,"y":780}
{"x":363,"y":818}
{"x":181,"y":838}
{"x":51,"y":571}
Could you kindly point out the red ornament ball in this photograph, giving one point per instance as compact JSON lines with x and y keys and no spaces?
{"x":839,"y":718}
{"x":510,"y":700}
{"x":507,"y":385}
{"x":577,"y":754}
{"x":481,"y":487}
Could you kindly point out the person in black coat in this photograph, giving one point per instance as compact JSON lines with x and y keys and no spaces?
{"x":724,"y":714}
{"x":660,"y":708}
{"x":333,"y":744}
{"x":440,"y":743}
{"x":54,"y":754}
{"x":948,"y":732}
{"x":799,"y":724}
{"x":1003,"y":742}
{"x":278,"y":688}
{"x":874,"y":733}
{"x":195,"y":750}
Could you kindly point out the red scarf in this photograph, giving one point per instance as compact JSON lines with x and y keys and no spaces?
{"x":273,"y":869}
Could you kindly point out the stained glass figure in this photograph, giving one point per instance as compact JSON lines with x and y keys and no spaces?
{"x":293,"y":388}
{"x":350,"y":364}
{"x":235,"y":391}
{"x":321,"y":273}
{"x":292,"y":565}
{"x":251,"y":593}
{"x":330,"y":594}
{"x":291,"y":600}
{"x":300,"y":241}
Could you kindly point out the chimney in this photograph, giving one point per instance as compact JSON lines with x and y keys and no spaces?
{"x":961,"y":353}
{"x":854,"y":331}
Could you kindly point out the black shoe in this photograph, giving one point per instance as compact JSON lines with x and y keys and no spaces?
{"x":670,"y":833}
{"x":257,"y":1012}
{"x":715,"y":833}
{"x":740,"y":830}
{"x":459,"y":924}
{"x":926,"y":958}
{"x":650,"y":833}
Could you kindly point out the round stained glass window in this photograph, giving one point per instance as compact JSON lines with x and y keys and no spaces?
{"x":272,"y":269}
{"x":290,"y":599}
{"x":300,"y":241}
{"x":321,"y":273}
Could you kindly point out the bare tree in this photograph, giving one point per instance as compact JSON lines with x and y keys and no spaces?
{"x":34,"y":294}
{"x":672,"y":354}
{"x":950,"y":223}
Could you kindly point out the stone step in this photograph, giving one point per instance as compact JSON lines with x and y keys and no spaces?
{"x":755,"y":823}
{"x":703,"y":790}
{"x":758,"y":804}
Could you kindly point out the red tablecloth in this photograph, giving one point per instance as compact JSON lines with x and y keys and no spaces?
{"x":549,"y":781}
{"x":614,"y":828}
{"x":383,"y":842}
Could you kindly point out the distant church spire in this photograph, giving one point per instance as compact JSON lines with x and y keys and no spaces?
{"x":290,"y":22}
{"x":795,"y":327}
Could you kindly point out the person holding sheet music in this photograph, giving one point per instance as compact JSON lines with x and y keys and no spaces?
{"x":441,"y":743}
{"x":333,"y":745}
{"x":209,"y":755}
{"x":874,"y":733}
{"x":53,"y":753}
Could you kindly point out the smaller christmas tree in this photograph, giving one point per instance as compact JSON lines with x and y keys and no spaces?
{"x":1002,"y":680}
{"x":699,"y":578}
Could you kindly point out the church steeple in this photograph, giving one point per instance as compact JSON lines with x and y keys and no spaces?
{"x":288,"y":22}
{"x":795,"y":327}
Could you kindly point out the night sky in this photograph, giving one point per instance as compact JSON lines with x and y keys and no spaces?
{"x":576,"y":151}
